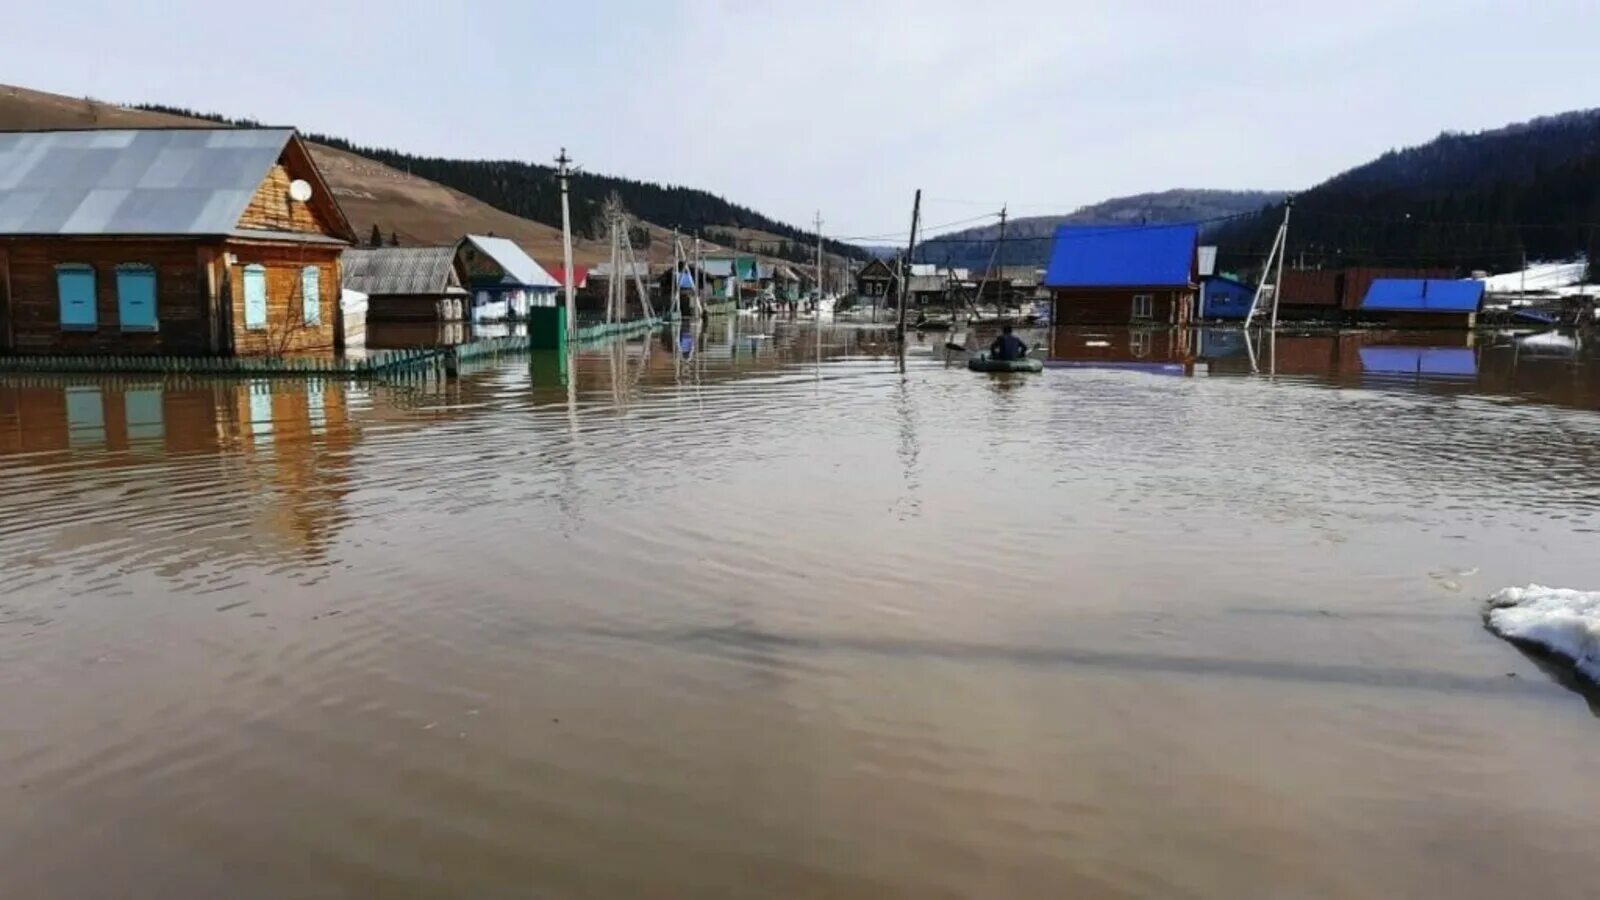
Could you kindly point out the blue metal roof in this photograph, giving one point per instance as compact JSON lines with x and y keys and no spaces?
{"x":1127,"y":256}
{"x":1423,"y":295}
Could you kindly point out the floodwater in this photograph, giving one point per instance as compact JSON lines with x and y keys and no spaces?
{"x":761,"y":614}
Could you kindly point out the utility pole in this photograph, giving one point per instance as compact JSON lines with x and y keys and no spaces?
{"x":911,"y":249}
{"x":673,"y":282}
{"x":699,"y":279}
{"x":817,"y":303}
{"x":563,"y":170}
{"x":614,"y":280}
{"x":1000,"y":265}
{"x":1276,"y":254}
{"x":1277,"y":280}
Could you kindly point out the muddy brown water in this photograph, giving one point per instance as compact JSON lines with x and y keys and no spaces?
{"x":1183,"y":616}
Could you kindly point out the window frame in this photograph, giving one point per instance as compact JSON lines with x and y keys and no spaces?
{"x":1149,"y":308}
{"x":266,"y":305}
{"x":311,"y":301}
{"x":76,"y":268}
{"x":155,"y":307}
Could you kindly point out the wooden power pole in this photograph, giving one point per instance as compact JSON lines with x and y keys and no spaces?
{"x":911,"y":249}
{"x":563,"y":169}
{"x":817,"y":303}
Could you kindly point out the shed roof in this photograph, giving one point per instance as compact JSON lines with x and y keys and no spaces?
{"x":383,"y":271}
{"x":1127,"y":256}
{"x":1423,"y":295}
{"x":629,"y":270}
{"x":125,"y":182}
{"x":717,"y":268}
{"x":926,"y":284}
{"x":518,"y":266}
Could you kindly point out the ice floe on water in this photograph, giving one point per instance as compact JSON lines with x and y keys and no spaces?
{"x":1562,"y":621}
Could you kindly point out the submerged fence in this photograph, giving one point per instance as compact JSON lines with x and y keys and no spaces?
{"x":375,"y":363}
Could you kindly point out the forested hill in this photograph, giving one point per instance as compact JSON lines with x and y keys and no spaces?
{"x":1028,"y":239}
{"x":530,"y":190}
{"x":1467,"y":201}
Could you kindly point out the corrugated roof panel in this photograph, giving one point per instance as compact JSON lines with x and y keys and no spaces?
{"x":399,"y":270}
{"x":97,"y":208}
{"x":168,"y":182}
{"x":520,"y":268}
{"x":1128,"y":256}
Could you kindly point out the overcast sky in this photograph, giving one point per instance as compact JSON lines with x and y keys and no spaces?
{"x":848,"y":106}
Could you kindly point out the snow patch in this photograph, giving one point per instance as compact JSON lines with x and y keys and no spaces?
{"x":1537,"y":277}
{"x":1563,"y":621}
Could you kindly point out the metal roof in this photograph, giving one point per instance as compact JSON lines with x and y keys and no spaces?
{"x":717,"y":268}
{"x":629,"y":270}
{"x":1127,"y":256}
{"x":1423,"y":295}
{"x":166,"y":182}
{"x":514,"y":261}
{"x":400,"y":270}
{"x":926,"y":284}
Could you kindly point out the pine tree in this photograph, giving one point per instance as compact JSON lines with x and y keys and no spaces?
{"x":375,"y":239}
{"x":394,"y":239}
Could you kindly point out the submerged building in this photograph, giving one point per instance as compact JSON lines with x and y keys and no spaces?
{"x":1135,"y":274}
{"x":1422,"y":302}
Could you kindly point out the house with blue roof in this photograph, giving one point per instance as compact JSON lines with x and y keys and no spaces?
{"x":1422,"y":302}
{"x":1120,"y":275}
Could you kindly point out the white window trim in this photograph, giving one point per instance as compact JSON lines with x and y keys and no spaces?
{"x":1149,"y":307}
{"x":266,"y":298}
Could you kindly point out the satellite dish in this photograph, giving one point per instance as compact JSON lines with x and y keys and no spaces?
{"x":299,"y":190}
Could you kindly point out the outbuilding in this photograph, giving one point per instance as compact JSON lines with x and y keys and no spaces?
{"x":407,"y":284}
{"x":1422,"y":302}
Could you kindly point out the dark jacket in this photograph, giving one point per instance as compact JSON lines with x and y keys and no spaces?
{"x":1008,"y":346}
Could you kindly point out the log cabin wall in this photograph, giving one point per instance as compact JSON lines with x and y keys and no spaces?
{"x":31,"y":300}
{"x":285,"y":329}
{"x":1115,"y":306}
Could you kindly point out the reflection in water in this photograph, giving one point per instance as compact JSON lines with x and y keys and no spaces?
{"x":745,"y":603}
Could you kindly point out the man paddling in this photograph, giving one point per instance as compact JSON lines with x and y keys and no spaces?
{"x":1008,"y":346}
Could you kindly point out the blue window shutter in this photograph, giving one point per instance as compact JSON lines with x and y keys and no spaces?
{"x":255,"y":297}
{"x":136,"y":297}
{"x":75,"y":285}
{"x":310,"y":289}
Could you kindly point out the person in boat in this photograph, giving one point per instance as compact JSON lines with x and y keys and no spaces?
{"x":1008,"y":346}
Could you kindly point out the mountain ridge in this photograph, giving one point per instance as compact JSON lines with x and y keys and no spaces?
{"x":1028,"y":237}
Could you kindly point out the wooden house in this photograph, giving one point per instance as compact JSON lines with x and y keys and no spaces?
{"x":407,"y":284}
{"x":190,"y":242}
{"x":1111,"y":275}
{"x":503,"y":279}
{"x":875,"y":283}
